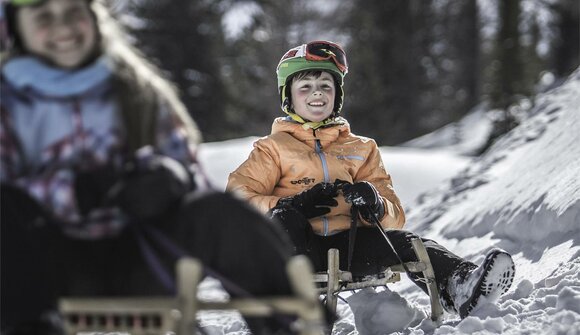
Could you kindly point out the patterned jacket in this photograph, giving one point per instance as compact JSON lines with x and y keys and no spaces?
{"x":55,"y":123}
{"x":292,"y":159}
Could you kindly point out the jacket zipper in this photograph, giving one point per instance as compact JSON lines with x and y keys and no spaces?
{"x":318,"y":149}
{"x":80,"y":141}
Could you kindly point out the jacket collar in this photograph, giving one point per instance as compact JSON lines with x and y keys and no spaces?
{"x":324,"y":134}
{"x":24,"y":73}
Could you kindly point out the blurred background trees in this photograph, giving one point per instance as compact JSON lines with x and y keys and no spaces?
{"x":415,"y":65}
{"x":185,"y":38}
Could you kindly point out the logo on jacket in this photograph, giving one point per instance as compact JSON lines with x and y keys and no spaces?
{"x":350,"y":157}
{"x":305,"y":181}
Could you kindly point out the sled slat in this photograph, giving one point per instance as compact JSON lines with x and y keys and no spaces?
{"x":333,"y":280}
{"x":338,"y":281}
{"x":436,"y":308}
{"x":139,"y":316}
{"x":177,"y":315}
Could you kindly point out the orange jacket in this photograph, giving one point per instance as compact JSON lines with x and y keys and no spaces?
{"x":293,"y":159}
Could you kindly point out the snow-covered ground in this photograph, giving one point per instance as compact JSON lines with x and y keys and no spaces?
{"x":523,"y":195}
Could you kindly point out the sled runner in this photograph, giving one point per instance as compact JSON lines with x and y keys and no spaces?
{"x":335,"y":281}
{"x":177,"y":315}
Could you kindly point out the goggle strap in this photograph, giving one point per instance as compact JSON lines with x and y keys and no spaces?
{"x":302,"y":51}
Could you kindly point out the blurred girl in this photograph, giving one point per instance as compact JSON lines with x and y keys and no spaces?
{"x":97,"y":158}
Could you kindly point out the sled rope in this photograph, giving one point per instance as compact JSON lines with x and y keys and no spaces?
{"x":154,"y":262}
{"x":377,"y":224}
{"x":352,"y":234}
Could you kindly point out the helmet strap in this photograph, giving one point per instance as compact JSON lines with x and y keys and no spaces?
{"x":315,"y":125}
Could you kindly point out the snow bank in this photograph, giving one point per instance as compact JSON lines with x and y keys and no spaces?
{"x":465,"y":137}
{"x":221,"y":158}
{"x":522,"y":196}
{"x":525,"y":189}
{"x":416,"y":170}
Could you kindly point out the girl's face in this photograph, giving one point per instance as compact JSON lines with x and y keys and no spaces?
{"x":62,"y":31}
{"x":313,"y":98}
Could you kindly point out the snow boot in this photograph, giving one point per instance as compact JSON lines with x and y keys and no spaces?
{"x":469,"y":284}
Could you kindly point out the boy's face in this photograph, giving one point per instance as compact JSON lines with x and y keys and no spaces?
{"x":313,"y":98}
{"x":62,"y":31}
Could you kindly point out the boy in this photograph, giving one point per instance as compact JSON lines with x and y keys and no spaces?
{"x":323,"y":184}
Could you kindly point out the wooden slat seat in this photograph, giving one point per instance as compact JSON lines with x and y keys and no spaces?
{"x":335,"y":281}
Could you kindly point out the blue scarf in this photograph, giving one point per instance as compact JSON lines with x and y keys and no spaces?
{"x":31,"y":73}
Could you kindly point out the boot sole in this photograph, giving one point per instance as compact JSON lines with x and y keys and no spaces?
{"x":499,"y":271}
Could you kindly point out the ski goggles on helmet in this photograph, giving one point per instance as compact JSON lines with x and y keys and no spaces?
{"x":320,"y":51}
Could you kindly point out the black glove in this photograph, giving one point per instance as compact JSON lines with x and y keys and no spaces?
{"x":313,"y":202}
{"x":91,"y":187}
{"x":149,"y":190}
{"x":366,"y":198}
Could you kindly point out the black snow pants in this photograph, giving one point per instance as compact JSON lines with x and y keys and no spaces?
{"x":371,"y":253}
{"x":40,"y":264}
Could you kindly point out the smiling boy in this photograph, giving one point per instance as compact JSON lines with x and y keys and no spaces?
{"x":322,"y":183}
{"x":313,"y":144}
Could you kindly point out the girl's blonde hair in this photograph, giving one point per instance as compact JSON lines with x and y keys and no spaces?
{"x":139,"y":84}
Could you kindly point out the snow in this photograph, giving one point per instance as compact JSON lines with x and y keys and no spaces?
{"x":463,"y":137}
{"x":523,"y":196}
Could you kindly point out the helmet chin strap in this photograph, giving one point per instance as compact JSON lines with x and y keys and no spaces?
{"x":306,"y":124}
{"x":331,"y":120}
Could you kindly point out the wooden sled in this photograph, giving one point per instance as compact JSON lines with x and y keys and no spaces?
{"x":335,"y":281}
{"x":177,"y":315}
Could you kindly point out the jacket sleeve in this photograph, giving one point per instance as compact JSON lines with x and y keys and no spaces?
{"x":255,"y":179}
{"x":53,"y":189}
{"x":176,"y":135}
{"x":374,"y":172}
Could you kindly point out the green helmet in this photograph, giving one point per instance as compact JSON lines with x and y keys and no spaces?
{"x":317,"y":55}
